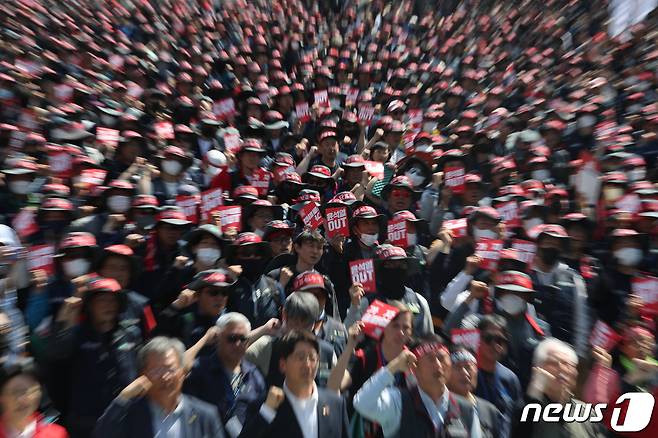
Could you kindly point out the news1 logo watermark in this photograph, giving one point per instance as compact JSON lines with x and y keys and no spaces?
{"x":638,"y":414}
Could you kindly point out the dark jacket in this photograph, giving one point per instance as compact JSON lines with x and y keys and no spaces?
{"x":332,"y":420}
{"x":133,"y":420}
{"x":209,"y":381}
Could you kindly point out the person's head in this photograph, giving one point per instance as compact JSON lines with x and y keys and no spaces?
{"x":637,"y":343}
{"x":300,"y":357}
{"x":483,"y":223}
{"x":464,"y":373}
{"x":77,"y":254}
{"x":118,"y":267}
{"x":494,"y":338}
{"x":559,"y":359}
{"x":250,"y":154}
{"x":161,"y":361}
{"x":392,"y":267}
{"x":261,"y":213}
{"x":398,"y":332}
{"x":309,"y":246}
{"x":20,"y":391}
{"x":379,"y":152}
{"x":433,"y":364}
{"x":279,"y":234}
{"x":400,"y":199}
{"x":328,"y":147}
{"x":627,"y":247}
{"x":205,"y":244}
{"x":313,"y":283}
{"x":513,"y":291}
{"x":213,"y":288}
{"x":103,"y":302}
{"x":300,"y":311}
{"x":233,"y":328}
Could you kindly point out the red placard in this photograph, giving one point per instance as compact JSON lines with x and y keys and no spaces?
{"x":509,"y":211}
{"x":363,"y":271}
{"x":397,"y":232}
{"x":211,"y":200}
{"x":311,"y":215}
{"x":489,"y":251}
{"x":107,"y":136}
{"x":335,"y":222}
{"x":60,"y":162}
{"x":467,"y":337}
{"x":93,"y":177}
{"x":190,"y":206}
{"x":303,"y":112}
{"x":24,"y":223}
{"x":457,"y":226}
{"x":321,"y":98}
{"x":375,"y":168}
{"x":415,"y":119}
{"x":646,"y":287}
{"x":224,"y":109}
{"x":604,"y":336}
{"x":41,"y":257}
{"x":232,"y":140}
{"x":279,"y":171}
{"x":261,"y":180}
{"x":454,"y":178}
{"x":164,"y":130}
{"x":376,"y":318}
{"x":366,"y":113}
{"x":230,"y":217}
{"x":526,"y":249}
{"x":352,"y":96}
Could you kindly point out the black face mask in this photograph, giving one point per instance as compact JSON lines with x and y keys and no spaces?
{"x":252,"y":268}
{"x":56,"y":227}
{"x":391,"y":282}
{"x":549,"y":256}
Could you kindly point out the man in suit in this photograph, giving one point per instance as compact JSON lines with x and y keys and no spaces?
{"x":153,"y":405}
{"x":300,"y":409}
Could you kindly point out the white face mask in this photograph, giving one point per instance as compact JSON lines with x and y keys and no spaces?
{"x":368,"y":239}
{"x":415,"y":176}
{"x":412,"y":239}
{"x":480,"y":234}
{"x":19,"y":187}
{"x":512,"y":305}
{"x":259,"y":232}
{"x":208,"y":256}
{"x":295,"y":45}
{"x":637,"y":174}
{"x":532,"y":223}
{"x":76,"y":268}
{"x":213,"y":171}
{"x":540,"y":174}
{"x":629,"y":256}
{"x":118,"y":204}
{"x":172,"y":167}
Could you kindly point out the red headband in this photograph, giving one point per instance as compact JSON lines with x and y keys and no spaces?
{"x":431,"y":348}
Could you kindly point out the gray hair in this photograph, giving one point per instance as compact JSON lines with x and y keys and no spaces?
{"x":160,"y":345}
{"x":550,"y":345}
{"x":231,"y":318}
{"x":303,"y":307}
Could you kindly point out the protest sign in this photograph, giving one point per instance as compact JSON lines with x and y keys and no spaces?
{"x":454,"y":179}
{"x":363,"y":271}
{"x":335,"y":222}
{"x":376,"y":318}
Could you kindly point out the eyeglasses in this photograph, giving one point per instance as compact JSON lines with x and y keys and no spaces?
{"x":490,"y":339}
{"x":302,"y":357}
{"x":234,"y":339}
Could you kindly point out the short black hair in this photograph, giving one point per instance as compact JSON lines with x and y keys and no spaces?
{"x":290,"y":340}
{"x":492,"y":321}
{"x":18,"y":367}
{"x":428,"y":338}
{"x":309,"y":235}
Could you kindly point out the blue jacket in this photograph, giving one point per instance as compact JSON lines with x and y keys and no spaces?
{"x":133,"y":420}
{"x":209,"y":381}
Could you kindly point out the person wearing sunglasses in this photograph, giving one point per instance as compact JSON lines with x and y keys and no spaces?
{"x":225,"y":379}
{"x":197,"y":308}
{"x":496,"y":383}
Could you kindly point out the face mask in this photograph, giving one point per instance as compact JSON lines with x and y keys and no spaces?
{"x":76,"y":268}
{"x":637,"y":174}
{"x":511,"y":304}
{"x":172,"y":167}
{"x":368,"y":239}
{"x":415,"y":176}
{"x":531,"y":223}
{"x":19,"y":187}
{"x":208,"y":256}
{"x":55,"y":226}
{"x":144,"y":221}
{"x":259,"y":232}
{"x":541,"y":174}
{"x":294,"y":45}
{"x":412,"y":239}
{"x":391,"y":282}
{"x":252,"y":268}
{"x":212,"y":171}
{"x":549,"y":255}
{"x":629,"y":256}
{"x":480,"y":234}
{"x":118,"y":204}
{"x":612,"y":193}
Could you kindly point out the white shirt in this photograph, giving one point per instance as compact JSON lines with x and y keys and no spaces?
{"x":306,"y":411}
{"x":167,"y":425}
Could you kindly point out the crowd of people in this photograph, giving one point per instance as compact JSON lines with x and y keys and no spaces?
{"x":324,"y":219}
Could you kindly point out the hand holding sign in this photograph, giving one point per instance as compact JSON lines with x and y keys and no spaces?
{"x":376,"y":318}
{"x":335,"y":222}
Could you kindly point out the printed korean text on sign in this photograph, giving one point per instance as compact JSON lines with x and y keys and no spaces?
{"x":363,"y":271}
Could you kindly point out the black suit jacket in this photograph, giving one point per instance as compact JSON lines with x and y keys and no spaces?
{"x":332,"y":420}
{"x":133,"y":420}
{"x":490,"y":419}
